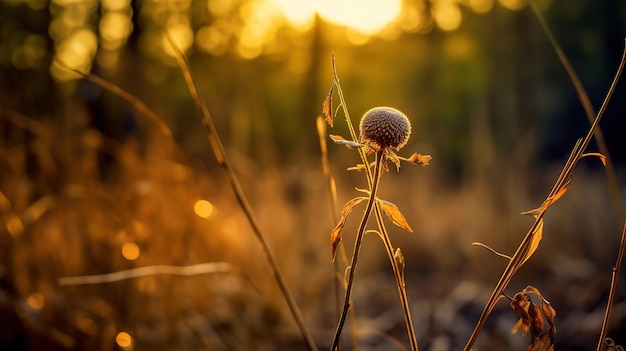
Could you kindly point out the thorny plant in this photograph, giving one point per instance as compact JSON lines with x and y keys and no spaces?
{"x":383,"y":130}
{"x":529,"y":244}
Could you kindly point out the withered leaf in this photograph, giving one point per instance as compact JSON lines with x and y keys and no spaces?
{"x":543,"y":343}
{"x":418,"y":159}
{"x":359,"y":168}
{"x":335,"y":236}
{"x":520,"y":304}
{"x":327,"y":105}
{"x":549,"y":201}
{"x":537,"y":235}
{"x":339,"y":140}
{"x":532,"y":318}
{"x":392,"y":211}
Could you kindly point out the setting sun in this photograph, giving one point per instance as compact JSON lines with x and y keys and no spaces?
{"x":365,"y":16}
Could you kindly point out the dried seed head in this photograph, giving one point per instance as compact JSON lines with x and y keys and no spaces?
{"x":385,"y":128}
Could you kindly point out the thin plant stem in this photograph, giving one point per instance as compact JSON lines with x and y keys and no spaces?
{"x":612,"y":291}
{"x":222,"y":160}
{"x":380,"y":156}
{"x":589,"y":111}
{"x":379,"y":219}
{"x":398,"y":273}
{"x":520,"y":254}
{"x":330,"y":181}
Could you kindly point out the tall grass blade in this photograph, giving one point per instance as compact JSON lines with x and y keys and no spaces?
{"x":222,"y":160}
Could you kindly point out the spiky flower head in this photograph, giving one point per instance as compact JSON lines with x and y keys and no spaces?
{"x":384,"y":128}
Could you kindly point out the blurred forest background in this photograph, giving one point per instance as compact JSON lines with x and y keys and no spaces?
{"x":90,"y":186}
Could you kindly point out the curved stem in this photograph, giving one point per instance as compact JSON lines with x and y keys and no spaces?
{"x":357,"y":247}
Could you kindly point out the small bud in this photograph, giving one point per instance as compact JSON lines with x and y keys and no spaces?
{"x":385,"y":128}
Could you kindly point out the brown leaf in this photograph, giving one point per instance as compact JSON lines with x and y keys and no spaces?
{"x":418,"y":159}
{"x":543,"y":343}
{"x":521,"y":304}
{"x":339,"y":140}
{"x":533,"y":318}
{"x":392,"y":211}
{"x":335,"y":236}
{"x":327,"y":105}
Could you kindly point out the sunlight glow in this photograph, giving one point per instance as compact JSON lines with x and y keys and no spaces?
{"x":365,"y":16}
{"x":203,"y":208}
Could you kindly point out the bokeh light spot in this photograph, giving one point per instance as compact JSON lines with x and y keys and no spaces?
{"x":181,"y":34}
{"x":230,"y":226}
{"x":123,"y":339}
{"x":115,"y":5}
{"x":77,"y":51}
{"x":203,"y":208}
{"x":130,"y":251}
{"x":35,"y":301}
{"x":114,"y":29}
{"x":513,"y":4}
{"x":480,"y":6}
{"x":447,"y":15}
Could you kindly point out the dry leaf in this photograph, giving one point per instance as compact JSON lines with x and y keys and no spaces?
{"x":339,"y":140}
{"x":533,"y":318}
{"x":327,"y":105}
{"x":335,"y":236}
{"x":537,"y":235}
{"x":520,"y":304}
{"x":549,"y":201}
{"x":359,"y":168}
{"x":392,"y":211}
{"x":418,"y":159}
